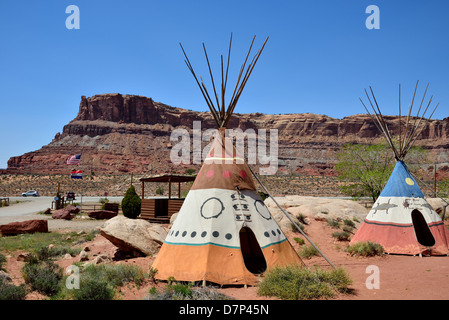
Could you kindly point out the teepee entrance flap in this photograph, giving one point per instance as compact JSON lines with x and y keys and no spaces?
{"x":422,"y":231}
{"x":251,"y":251}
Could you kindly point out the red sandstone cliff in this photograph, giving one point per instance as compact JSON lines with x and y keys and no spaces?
{"x":127,"y":133}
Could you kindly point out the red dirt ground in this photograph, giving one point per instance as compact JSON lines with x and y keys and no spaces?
{"x":400,"y":277}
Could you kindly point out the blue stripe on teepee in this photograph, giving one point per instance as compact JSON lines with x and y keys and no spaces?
{"x":401,"y":183}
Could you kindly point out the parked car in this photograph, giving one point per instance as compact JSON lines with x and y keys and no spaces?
{"x":31,"y":193}
{"x":70,"y":196}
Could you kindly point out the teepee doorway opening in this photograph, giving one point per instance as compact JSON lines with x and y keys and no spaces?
{"x":252,"y":252}
{"x":422,"y":230}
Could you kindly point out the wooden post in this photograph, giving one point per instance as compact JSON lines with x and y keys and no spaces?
{"x":179,"y":190}
{"x":169,"y":188}
{"x":143,"y":190}
{"x":435,"y":179}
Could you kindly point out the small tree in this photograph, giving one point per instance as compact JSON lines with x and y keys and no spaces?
{"x":131,"y":203}
{"x":369,"y":167}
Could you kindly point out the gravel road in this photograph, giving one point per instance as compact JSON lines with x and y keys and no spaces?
{"x":28,"y":209}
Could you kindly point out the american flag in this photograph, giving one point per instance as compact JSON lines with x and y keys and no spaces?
{"x":77,"y":174}
{"x":76,"y":159}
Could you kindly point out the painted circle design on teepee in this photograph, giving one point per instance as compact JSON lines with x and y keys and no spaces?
{"x":211,"y":208}
{"x":409,"y":181}
{"x":262,"y":209}
{"x":243,"y":174}
{"x":210,"y":173}
{"x":227,"y":174}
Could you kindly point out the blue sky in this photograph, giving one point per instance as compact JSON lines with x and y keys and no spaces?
{"x":319,"y":58}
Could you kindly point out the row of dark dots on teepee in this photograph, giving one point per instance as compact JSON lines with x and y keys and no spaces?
{"x":216,"y":234}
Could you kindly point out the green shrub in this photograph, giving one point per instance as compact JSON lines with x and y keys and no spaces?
{"x":93,"y":289}
{"x":341,"y":235}
{"x":179,"y":291}
{"x":116,"y":275}
{"x":2,"y":261}
{"x":308,"y":252}
{"x":298,"y":283}
{"x":45,"y":253}
{"x":8,"y":291}
{"x":365,"y":249}
{"x":43,"y":276}
{"x":302,"y":218}
{"x":333,"y":223}
{"x":349,"y":223}
{"x":131,"y":203}
{"x":299,"y":241}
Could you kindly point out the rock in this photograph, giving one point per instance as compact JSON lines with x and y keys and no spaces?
{"x":438,"y":205}
{"x":103,"y":258}
{"x":47,"y":211}
{"x":133,"y":236}
{"x":25,"y":256}
{"x":83,"y":256}
{"x":29,"y":226}
{"x":115,"y":124}
{"x":173,"y":217}
{"x":157,"y":232}
{"x":5,"y":277}
{"x":67,"y":256}
{"x":102,"y":214}
{"x":68,"y":213}
{"x":318,"y":208}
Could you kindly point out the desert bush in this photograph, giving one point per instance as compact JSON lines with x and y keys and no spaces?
{"x":93,"y":289}
{"x":99,"y":282}
{"x":299,"y":241}
{"x":349,"y":223}
{"x":2,"y":261}
{"x":9,"y":291}
{"x":299,"y":283}
{"x":45,"y":253}
{"x":333,"y":223}
{"x":341,"y":235}
{"x":365,"y":249}
{"x":117,"y":275}
{"x":302,"y":218}
{"x":131,"y":203}
{"x":43,"y":276}
{"x":179,"y":291}
{"x":308,"y":252}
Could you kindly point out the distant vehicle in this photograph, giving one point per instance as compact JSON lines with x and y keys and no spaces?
{"x":30,"y":193}
{"x":70,"y":196}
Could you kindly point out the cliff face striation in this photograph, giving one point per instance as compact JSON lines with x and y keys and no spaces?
{"x":128,"y":133}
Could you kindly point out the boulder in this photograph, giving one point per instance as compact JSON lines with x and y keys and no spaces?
{"x":29,"y":226}
{"x":102,"y":214}
{"x":134,"y":236}
{"x":83,"y":256}
{"x":5,"y":277}
{"x":103,"y":258}
{"x":318,"y":208}
{"x":68,"y":213}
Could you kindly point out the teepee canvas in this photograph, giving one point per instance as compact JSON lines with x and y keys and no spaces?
{"x":401,"y":219}
{"x":223,"y":233}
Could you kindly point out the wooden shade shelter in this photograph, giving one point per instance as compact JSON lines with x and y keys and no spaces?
{"x":161,"y":209}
